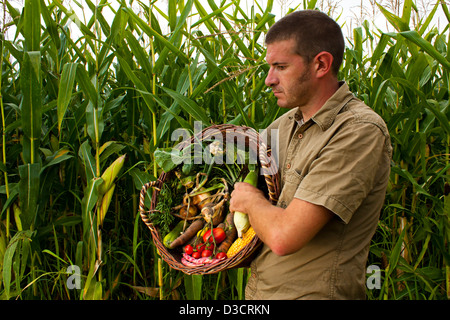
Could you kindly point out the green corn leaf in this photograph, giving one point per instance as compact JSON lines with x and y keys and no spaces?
{"x":91,"y":195}
{"x":87,"y":205}
{"x":8,"y":258}
{"x":393,"y":19}
{"x":94,"y":121}
{"x":427,"y":103}
{"x":395,"y":253}
{"x":70,"y":13}
{"x":32,"y":25}
{"x":172,"y":13}
{"x":193,"y":285}
{"x":86,"y":85}
{"x":211,"y":15}
{"x":85,"y":154}
{"x":52,"y":27}
{"x":142,"y":89}
{"x":7,"y":263}
{"x":170,"y":113}
{"x":407,"y":8}
{"x":426,"y":46}
{"x":267,"y":16}
{"x":235,"y":36}
{"x":31,"y":104}
{"x":428,"y":20}
{"x":151,"y":32}
{"x":188,"y":105}
{"x":29,"y":193}
{"x":65,"y":90}
{"x":139,"y":52}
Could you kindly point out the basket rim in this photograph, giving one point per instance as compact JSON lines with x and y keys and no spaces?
{"x":172,"y":256}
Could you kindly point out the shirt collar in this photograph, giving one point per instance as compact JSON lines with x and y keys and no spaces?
{"x":327,"y":114}
{"x":324,"y":118}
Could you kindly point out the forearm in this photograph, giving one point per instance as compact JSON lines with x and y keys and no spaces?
{"x":267,"y":221}
{"x":283,"y":230}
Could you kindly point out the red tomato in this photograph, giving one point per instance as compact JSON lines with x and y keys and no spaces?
{"x":188,"y":249}
{"x":221,"y":255}
{"x":206,"y":253}
{"x":200,"y":247}
{"x":218,"y":234}
{"x":196,"y":254}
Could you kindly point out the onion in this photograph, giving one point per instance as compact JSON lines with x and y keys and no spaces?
{"x":201,"y":199}
{"x":184,"y":213}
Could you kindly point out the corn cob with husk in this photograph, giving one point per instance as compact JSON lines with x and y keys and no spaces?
{"x":106,"y":188}
{"x":110,"y":174}
{"x":240,"y":243}
{"x":241,"y":220}
{"x":106,"y":200}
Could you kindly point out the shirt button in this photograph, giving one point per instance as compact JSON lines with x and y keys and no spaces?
{"x":300,"y":136}
{"x":288,"y":166}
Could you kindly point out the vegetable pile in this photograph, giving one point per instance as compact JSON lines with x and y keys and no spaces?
{"x":192,"y":212}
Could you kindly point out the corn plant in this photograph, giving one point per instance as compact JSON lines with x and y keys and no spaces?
{"x":405,"y":79}
{"x":89,"y":93}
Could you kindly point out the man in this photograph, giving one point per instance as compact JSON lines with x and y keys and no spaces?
{"x":334,"y":164}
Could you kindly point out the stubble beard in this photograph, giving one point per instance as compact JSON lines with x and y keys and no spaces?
{"x":298,"y":95}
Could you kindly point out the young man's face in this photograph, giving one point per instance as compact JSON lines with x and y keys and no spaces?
{"x":289,"y":76}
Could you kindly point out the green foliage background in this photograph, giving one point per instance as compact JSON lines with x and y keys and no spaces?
{"x":74,"y":108}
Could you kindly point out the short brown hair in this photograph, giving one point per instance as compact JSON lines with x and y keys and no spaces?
{"x":314,"y":32}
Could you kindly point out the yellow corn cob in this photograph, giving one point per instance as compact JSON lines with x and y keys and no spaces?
{"x":240,"y":243}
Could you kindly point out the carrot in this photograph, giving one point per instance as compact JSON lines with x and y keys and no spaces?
{"x":231,"y":233}
{"x":221,"y":225}
{"x":189,"y":233}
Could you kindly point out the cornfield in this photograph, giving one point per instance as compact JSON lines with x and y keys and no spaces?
{"x":86,"y":98}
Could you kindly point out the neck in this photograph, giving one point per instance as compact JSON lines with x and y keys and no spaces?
{"x":322,"y":94}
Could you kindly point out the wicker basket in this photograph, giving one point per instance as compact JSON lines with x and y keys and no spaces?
{"x":252,"y":142}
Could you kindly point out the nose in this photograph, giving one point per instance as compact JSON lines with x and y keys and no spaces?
{"x":271,"y":79}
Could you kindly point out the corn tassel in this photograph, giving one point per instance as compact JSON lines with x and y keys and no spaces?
{"x":240,"y":243}
{"x":110,"y":174}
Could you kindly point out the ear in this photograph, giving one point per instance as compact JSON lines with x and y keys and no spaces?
{"x":322,"y":63}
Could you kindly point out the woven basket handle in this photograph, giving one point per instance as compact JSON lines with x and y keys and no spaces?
{"x":143,"y":213}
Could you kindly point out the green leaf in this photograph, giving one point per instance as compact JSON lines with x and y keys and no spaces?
{"x":169,"y":158}
{"x":8,"y":258}
{"x":142,"y":89}
{"x":85,"y":154}
{"x":426,"y":46}
{"x":29,"y":193}
{"x":31,"y":104}
{"x":65,"y":90}
{"x":151,"y":32}
{"x":397,"y":22}
{"x":395,"y":253}
{"x":86,"y":85}
{"x":193,"y":285}
{"x":192,"y":108}
{"x":32,"y":25}
{"x":87,"y":205}
{"x":94,"y":121}
{"x":211,"y":15}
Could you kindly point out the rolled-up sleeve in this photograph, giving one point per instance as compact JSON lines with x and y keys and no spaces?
{"x":343,"y":173}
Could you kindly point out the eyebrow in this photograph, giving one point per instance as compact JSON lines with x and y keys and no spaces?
{"x":277,"y":63}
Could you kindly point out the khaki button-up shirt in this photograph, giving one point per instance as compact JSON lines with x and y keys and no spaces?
{"x":339,"y":159}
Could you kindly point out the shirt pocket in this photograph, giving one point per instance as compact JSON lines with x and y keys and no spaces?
{"x":292,"y":180}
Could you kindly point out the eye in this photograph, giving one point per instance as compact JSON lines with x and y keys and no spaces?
{"x":281,"y":67}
